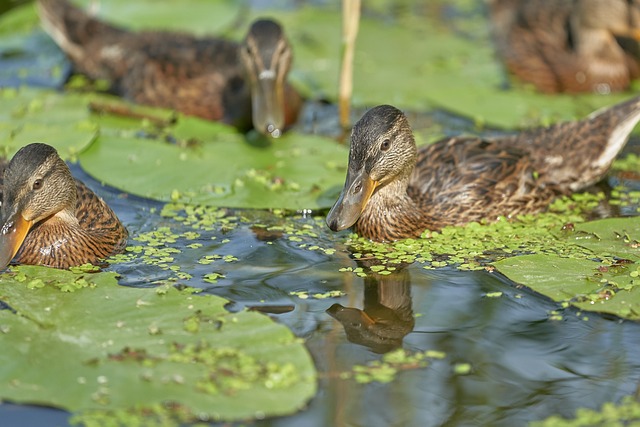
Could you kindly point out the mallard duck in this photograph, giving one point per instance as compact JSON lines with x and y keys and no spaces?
{"x":212,"y":78}
{"x":393,"y":190}
{"x":569,"y":45}
{"x":49,"y":218}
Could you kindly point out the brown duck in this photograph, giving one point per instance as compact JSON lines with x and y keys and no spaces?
{"x":212,"y":78}
{"x":569,"y":45}
{"x":394,"y":190}
{"x":49,"y":218}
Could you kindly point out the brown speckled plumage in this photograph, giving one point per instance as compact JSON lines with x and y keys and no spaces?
{"x":393,"y":191}
{"x":206,"y":77}
{"x":569,"y":45}
{"x":70,"y":224}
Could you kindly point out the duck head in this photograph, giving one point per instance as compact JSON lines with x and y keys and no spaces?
{"x":382,"y":152}
{"x":266,"y":55}
{"x":38,"y":186}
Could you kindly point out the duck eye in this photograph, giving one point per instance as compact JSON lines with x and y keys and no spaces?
{"x":37,"y":184}
{"x":386,"y":144}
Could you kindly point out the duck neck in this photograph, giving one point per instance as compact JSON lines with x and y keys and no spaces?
{"x":390,"y":214}
{"x":54,"y":242}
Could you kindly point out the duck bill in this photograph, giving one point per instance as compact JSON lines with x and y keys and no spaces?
{"x":350,"y":316}
{"x":632,"y":33}
{"x":267,"y":103}
{"x":12,"y":234}
{"x":355,"y":195}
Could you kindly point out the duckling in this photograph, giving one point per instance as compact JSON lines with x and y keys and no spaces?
{"x":569,"y":46}
{"x":241,"y":84}
{"x":394,"y":191}
{"x":49,"y":218}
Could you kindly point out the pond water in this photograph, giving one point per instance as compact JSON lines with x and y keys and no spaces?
{"x":509,"y":356}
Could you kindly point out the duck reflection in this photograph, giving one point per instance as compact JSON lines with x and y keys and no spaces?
{"x":387,"y":315}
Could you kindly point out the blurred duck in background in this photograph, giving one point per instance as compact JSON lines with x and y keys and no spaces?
{"x":569,"y":45}
{"x":241,"y":84}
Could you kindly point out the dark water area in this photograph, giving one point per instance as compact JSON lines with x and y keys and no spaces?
{"x":527,"y":357}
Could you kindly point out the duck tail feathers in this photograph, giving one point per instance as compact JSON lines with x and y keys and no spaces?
{"x":72,"y":28}
{"x":611,"y":128}
{"x":575,"y":155}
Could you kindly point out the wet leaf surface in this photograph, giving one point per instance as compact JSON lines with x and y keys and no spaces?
{"x":82,"y":343}
{"x":607,"y":285}
{"x":295,"y":172}
{"x":32,"y":115}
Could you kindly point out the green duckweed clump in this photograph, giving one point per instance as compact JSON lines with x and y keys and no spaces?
{"x":392,"y":363}
{"x":626,"y":413}
{"x":474,"y":246}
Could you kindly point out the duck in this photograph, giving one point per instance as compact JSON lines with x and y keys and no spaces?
{"x":49,"y":218}
{"x":393,"y":190}
{"x":569,"y":46}
{"x":241,"y":84}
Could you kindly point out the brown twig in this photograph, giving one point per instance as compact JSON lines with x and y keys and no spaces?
{"x":124,"y":111}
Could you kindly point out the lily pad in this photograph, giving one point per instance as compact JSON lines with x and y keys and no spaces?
{"x":608,"y":283}
{"x":32,"y":115}
{"x":296,"y":172}
{"x":80,"y":342}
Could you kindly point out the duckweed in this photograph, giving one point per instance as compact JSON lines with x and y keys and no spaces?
{"x":475,"y":246}
{"x":324,"y":295}
{"x":626,"y":413}
{"x":392,"y":363}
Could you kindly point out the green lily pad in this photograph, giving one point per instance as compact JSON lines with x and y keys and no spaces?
{"x":295,"y":172}
{"x":32,"y":115}
{"x":608,"y":283}
{"x":80,"y":342}
{"x":619,"y":237}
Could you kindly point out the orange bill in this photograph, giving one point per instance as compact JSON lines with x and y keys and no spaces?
{"x":12,"y":234}
{"x":355,"y":195}
{"x":632,"y":33}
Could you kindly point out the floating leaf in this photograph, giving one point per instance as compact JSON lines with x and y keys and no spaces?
{"x":610,"y":286}
{"x":80,"y":342}
{"x":295,"y":172}
{"x":32,"y":115}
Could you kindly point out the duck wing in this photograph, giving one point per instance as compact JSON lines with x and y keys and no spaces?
{"x":463,"y":179}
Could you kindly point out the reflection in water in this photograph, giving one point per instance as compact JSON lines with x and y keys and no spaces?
{"x":525,"y":364}
{"x":387,"y":315}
